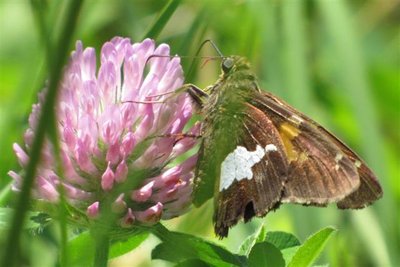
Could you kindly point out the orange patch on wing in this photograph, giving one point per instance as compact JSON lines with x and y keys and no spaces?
{"x":288,"y":132}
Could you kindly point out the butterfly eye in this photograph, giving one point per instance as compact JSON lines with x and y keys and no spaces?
{"x":227,"y":64}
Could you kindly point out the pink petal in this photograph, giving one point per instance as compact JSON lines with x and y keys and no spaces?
{"x":146,"y":124}
{"x":69,"y":137}
{"x":174,"y":174}
{"x":93,"y":210}
{"x":151,"y":215}
{"x":89,"y":64}
{"x":177,"y":207}
{"x":143,"y":194}
{"x":128,"y":114}
{"x":16,"y":186}
{"x":107,"y":179}
{"x":121,"y":172}
{"x":47,"y":190}
{"x":168,"y":194}
{"x":23,"y":158}
{"x":129,"y":219}
{"x":113,"y":153}
{"x":128,"y":143}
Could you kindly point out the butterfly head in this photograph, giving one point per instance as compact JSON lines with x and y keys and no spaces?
{"x":232,"y":64}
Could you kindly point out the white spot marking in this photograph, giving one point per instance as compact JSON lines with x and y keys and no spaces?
{"x":270,"y":147}
{"x":237,"y":165}
{"x":357,"y":163}
{"x":296,"y":119}
{"x":338,"y":157}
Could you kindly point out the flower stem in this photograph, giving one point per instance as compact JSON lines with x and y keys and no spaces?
{"x":102,"y":245}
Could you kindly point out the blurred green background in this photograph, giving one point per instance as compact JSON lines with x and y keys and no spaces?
{"x":335,"y":60}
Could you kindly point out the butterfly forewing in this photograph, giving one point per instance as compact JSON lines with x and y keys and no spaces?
{"x":326,"y":170}
{"x":261,"y":190}
{"x":369,"y":189}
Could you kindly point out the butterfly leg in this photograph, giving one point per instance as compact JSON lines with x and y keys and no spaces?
{"x":197,"y":94}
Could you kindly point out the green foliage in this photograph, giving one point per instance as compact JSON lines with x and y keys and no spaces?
{"x":334,"y":60}
{"x":163,"y":19}
{"x":251,"y":240}
{"x":274,"y":249}
{"x":265,"y":254}
{"x":35,"y":222}
{"x":310,"y":250}
{"x":282,"y":240}
{"x":84,"y":242}
{"x":177,"y":247}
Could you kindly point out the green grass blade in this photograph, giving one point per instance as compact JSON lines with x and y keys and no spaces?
{"x":5,"y":194}
{"x":11,"y":250}
{"x":271,"y":68}
{"x":188,"y":43}
{"x":162,"y":20}
{"x":297,"y":81}
{"x":371,"y":233}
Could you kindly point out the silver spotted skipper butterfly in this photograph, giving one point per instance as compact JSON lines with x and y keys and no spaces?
{"x":258,"y":152}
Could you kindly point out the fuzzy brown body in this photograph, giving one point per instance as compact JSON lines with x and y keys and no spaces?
{"x":301,"y":161}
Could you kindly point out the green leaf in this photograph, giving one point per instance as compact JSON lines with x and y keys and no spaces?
{"x":288,"y":253}
{"x":178,"y":247}
{"x":247,"y":245}
{"x":282,"y":240}
{"x":81,"y":248}
{"x":35,"y":220}
{"x":124,"y":246}
{"x":192,"y":263}
{"x":312,"y":247}
{"x":265,"y":254}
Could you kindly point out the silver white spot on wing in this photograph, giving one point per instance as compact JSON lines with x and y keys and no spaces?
{"x":338,"y":157}
{"x":237,"y":165}
{"x":296,"y":119}
{"x":357,"y":163}
{"x":270,"y":147}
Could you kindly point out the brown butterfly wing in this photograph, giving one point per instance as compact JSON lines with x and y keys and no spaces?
{"x":256,"y":196}
{"x":369,"y":191}
{"x":322,"y":169}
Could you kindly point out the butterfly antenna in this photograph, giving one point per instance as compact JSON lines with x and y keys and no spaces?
{"x":178,"y":90}
{"x":155,"y":55}
{"x":213,"y":45}
{"x":171,"y":94}
{"x":220,"y":55}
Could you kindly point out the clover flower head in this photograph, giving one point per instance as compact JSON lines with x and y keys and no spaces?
{"x":115,"y":122}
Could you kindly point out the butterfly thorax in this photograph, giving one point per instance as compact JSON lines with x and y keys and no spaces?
{"x":227,"y":97}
